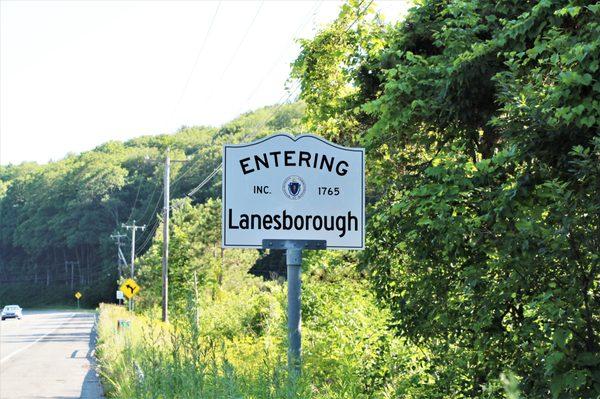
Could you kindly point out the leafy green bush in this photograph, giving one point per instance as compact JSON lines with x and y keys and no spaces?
{"x":228,"y":336}
{"x":481,"y":121}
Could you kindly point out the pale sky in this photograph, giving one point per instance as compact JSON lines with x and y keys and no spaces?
{"x":75,"y":74}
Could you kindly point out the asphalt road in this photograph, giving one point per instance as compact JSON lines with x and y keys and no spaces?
{"x":48,"y":354}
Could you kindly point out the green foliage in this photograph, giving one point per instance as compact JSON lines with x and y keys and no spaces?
{"x":481,"y":276}
{"x":483,"y":182}
{"x":227,"y":336}
{"x":66,"y":210}
{"x":234,"y":325}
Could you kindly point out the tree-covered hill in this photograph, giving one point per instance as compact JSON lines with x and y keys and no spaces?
{"x":65,"y":211}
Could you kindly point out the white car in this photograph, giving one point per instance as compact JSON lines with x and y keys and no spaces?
{"x":11,"y":312}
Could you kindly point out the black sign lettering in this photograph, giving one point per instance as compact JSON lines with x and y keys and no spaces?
{"x":285,"y":221}
{"x":293,"y":158}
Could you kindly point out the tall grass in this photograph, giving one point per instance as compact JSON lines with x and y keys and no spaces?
{"x":154,"y":360}
{"x":228,"y":339}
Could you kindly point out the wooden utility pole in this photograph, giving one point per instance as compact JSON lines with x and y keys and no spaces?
{"x":166,"y":211}
{"x":165,"y":257}
{"x":72,"y":264}
{"x":133,"y":229}
{"x":118,"y":237}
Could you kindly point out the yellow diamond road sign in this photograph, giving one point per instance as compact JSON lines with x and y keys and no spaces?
{"x":129,"y":288}
{"x":78,"y":295}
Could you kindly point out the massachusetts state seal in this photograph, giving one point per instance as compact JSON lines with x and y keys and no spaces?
{"x":294,"y":187}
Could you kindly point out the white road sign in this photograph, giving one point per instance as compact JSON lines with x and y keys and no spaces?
{"x":120,"y":295}
{"x":295,"y":188}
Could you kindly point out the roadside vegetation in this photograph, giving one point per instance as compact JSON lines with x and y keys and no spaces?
{"x":65,"y":211}
{"x":481,"y":276}
{"x":227,"y":335}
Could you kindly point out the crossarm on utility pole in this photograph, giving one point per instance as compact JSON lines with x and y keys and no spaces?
{"x":133,"y":229}
{"x":120,"y":256}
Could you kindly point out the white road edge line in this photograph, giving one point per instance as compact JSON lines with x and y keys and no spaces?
{"x":5,"y":358}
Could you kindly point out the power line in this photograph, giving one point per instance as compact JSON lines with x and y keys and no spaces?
{"x":143,"y":215}
{"x":153,"y":213}
{"x":273,"y":111}
{"x":206,"y":180}
{"x":359,"y":14}
{"x":151,"y":231}
{"x":185,"y":173}
{"x":298,"y":85}
{"x":234,"y":54}
{"x":136,"y":197}
{"x":200,"y":51}
{"x":312,"y":13}
{"x":282,"y":102}
{"x":292,"y":92}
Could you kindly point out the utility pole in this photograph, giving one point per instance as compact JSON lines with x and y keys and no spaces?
{"x":72,"y":264}
{"x":165,"y":258}
{"x":166,"y":211}
{"x":133,"y":229}
{"x":118,"y":237}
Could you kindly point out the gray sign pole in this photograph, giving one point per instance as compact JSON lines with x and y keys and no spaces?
{"x":293,"y":255}
{"x":294,"y":270}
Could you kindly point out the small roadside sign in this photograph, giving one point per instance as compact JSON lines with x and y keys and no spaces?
{"x":78,"y":295}
{"x":293,"y":188}
{"x":120,"y":294}
{"x":129,"y":288}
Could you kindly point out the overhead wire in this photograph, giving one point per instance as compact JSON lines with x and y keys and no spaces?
{"x":206,"y":180}
{"x":312,"y":12}
{"x":154,"y":226}
{"x":298,"y":85}
{"x":239,"y":46}
{"x":153,"y":219}
{"x":359,"y":14}
{"x":200,"y":52}
{"x":232,"y":58}
{"x":235,"y":52}
{"x":140,"y":178}
{"x":151,"y":231}
{"x":191,"y":167}
{"x":307,"y":18}
{"x":286,"y":97}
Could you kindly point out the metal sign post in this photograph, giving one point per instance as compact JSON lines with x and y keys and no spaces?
{"x":304,"y":190}
{"x":293,"y":255}
{"x":120,"y":297}
{"x":129,"y":288}
{"x":78,"y":295}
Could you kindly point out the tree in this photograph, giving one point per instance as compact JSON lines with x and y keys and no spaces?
{"x":481,"y":136}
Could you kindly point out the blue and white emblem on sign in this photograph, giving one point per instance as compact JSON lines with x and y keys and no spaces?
{"x":294,"y":187}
